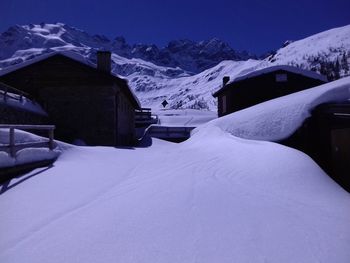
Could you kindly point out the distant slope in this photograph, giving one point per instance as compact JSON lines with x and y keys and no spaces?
{"x":191,"y":91}
{"x":327,"y":52}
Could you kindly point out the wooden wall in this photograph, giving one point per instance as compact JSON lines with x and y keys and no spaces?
{"x":248,"y":92}
{"x":125,"y":121}
{"x":325,"y":137}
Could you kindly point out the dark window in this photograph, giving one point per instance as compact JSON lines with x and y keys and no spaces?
{"x":281,"y":78}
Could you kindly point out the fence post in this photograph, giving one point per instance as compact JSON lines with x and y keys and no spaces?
{"x":12,"y":143}
{"x":51,"y":134}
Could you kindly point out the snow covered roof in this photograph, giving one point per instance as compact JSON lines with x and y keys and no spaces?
{"x":69,"y":54}
{"x":295,"y":70}
{"x":299,"y":71}
{"x":74,"y":56}
{"x":14,"y":101}
{"x":277,"y":119}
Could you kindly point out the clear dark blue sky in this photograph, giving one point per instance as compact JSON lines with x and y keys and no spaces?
{"x":254,"y":25}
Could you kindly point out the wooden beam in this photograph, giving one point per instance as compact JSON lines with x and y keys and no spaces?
{"x":27,"y":127}
{"x":12,"y":142}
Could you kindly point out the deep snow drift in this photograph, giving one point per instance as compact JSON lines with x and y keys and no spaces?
{"x":279,"y":118}
{"x":213,"y":198}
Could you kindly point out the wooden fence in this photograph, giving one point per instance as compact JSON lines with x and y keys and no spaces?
{"x":12,"y":147}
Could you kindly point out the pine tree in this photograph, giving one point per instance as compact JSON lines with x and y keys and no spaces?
{"x":323,"y":68}
{"x":336,"y":69}
{"x":344,"y":63}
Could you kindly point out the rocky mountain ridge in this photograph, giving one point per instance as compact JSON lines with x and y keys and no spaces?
{"x":189,"y":55}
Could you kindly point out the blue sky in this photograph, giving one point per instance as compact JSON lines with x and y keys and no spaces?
{"x":254,"y":25}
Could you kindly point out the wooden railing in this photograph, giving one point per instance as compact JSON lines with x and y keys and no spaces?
{"x":13,"y":146}
{"x":145,"y":116}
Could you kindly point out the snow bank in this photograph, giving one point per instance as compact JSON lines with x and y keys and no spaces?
{"x":6,"y":160}
{"x":27,"y":155}
{"x":279,"y":118}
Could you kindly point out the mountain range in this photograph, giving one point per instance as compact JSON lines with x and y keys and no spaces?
{"x":184,"y":72}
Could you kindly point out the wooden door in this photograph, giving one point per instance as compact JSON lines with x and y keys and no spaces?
{"x":340,"y":139}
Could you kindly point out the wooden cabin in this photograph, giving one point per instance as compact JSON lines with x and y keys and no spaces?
{"x":325,"y":136}
{"x":263,"y":85}
{"x":85,"y":102}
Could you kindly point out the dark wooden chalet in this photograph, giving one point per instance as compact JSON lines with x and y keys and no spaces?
{"x":85,"y":102}
{"x":325,"y":137}
{"x":263,"y":85}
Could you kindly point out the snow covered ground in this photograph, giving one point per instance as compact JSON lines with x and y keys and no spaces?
{"x":214,"y":198}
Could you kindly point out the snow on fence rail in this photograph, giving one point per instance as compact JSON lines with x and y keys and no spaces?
{"x":13,"y":146}
{"x":7,"y":91}
{"x":145,"y":116}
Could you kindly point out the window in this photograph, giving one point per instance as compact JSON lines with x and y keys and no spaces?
{"x":281,"y":77}
{"x":224,"y":109}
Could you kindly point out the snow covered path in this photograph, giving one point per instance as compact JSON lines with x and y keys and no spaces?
{"x":222,"y":199}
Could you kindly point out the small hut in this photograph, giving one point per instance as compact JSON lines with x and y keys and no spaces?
{"x":263,"y":85}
